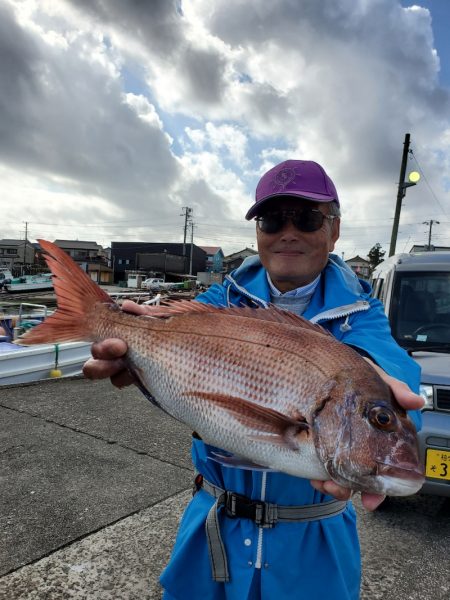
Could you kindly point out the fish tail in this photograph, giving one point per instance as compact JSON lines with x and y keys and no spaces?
{"x":76,"y":295}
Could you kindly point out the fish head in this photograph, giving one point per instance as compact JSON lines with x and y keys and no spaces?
{"x":367,"y":441}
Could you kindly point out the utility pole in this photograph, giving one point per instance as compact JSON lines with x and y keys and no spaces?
{"x":400,"y":195}
{"x":192,"y":247}
{"x":25,"y":247}
{"x":187,"y":215}
{"x":402,"y":185}
{"x":430,"y":223}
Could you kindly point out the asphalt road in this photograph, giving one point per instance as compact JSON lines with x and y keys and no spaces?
{"x":93,"y":482}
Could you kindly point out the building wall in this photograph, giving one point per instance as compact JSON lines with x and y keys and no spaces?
{"x":15,"y":253}
{"x":124,"y":256}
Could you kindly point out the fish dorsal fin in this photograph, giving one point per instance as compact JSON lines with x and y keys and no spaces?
{"x":174,"y":308}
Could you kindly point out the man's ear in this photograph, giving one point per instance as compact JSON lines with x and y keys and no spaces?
{"x":334,"y":234}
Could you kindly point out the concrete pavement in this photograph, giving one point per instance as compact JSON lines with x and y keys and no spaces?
{"x":93,"y":482}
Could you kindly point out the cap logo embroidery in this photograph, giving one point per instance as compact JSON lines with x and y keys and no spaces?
{"x":283,"y":178}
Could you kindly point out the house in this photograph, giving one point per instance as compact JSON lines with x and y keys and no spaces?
{"x":157,"y":258}
{"x":16,"y":253}
{"x":214,"y":258}
{"x":91,"y":258}
{"x":360,"y":266}
{"x":233,"y":261}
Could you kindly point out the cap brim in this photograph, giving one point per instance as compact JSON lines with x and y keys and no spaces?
{"x":309,"y":196}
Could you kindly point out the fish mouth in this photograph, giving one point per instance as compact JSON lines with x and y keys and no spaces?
{"x":411,"y":473}
{"x":399,"y":486}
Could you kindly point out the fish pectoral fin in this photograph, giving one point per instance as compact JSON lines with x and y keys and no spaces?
{"x":266,"y":420}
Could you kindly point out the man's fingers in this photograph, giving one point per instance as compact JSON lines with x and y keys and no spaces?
{"x":136,"y":309}
{"x":109,"y":349}
{"x":122,"y":379}
{"x":333,"y":489}
{"x":371,"y":501}
{"x":102,"y":369}
{"x":402,"y":392}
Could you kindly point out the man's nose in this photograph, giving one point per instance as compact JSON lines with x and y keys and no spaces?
{"x":289,"y":230}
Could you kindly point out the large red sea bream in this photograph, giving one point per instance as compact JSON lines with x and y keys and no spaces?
{"x":263,"y":384}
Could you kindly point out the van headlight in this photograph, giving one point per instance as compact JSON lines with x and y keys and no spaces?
{"x":426,"y":391}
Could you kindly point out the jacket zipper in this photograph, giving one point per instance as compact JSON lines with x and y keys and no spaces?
{"x":341,"y":311}
{"x":258,"y":562}
{"x":334,"y":313}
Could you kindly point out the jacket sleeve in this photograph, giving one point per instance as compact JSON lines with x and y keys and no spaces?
{"x":215,"y":295}
{"x":370,"y":332}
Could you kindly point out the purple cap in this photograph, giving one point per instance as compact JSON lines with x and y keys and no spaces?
{"x":302,"y":178}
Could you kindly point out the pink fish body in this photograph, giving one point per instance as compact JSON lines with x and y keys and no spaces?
{"x":265,"y":385}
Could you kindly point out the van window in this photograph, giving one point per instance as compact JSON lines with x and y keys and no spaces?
{"x":420,"y":309}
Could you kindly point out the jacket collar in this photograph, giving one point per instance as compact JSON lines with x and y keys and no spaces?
{"x":339,"y":287}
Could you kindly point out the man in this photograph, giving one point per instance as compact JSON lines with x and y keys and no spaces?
{"x":243,"y":556}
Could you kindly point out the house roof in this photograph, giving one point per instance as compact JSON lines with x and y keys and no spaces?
{"x":211,"y":249}
{"x":11,"y":242}
{"x":358,"y":258}
{"x":77,"y":244}
{"x":245,"y":252}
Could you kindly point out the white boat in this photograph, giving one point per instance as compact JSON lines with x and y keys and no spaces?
{"x":29,"y":283}
{"x":22,"y":364}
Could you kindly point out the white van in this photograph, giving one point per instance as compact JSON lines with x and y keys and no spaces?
{"x":415,"y":291}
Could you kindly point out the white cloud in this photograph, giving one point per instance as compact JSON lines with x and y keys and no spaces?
{"x":131,"y":111}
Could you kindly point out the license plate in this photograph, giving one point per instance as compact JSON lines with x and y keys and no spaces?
{"x":438,"y":464}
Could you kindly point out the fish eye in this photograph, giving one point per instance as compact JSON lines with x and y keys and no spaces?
{"x":382,"y":418}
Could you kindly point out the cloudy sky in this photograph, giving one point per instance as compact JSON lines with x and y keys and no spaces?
{"x":114,"y":115}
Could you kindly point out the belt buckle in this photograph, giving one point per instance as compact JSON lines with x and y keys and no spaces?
{"x":237,"y":505}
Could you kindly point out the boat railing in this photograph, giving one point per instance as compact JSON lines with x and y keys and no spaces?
{"x":31,"y":305}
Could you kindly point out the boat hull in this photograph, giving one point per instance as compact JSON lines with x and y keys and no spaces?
{"x":21,"y":364}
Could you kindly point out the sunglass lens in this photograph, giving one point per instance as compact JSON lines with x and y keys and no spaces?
{"x":309,"y":220}
{"x":270,"y":223}
{"x":306,"y":220}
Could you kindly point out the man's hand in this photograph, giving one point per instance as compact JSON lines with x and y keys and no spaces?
{"x":108,"y":356}
{"x":409,"y":401}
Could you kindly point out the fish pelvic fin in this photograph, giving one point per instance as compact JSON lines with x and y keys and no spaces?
{"x":271,"y":425}
{"x":76,"y":295}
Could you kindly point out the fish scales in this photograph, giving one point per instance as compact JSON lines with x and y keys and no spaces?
{"x":262,"y":384}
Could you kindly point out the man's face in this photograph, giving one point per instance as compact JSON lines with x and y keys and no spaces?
{"x":294,"y":258}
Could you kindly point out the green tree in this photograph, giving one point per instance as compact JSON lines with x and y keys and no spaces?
{"x":376,"y":256}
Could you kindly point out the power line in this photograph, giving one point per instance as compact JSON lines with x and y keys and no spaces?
{"x":427,"y":182}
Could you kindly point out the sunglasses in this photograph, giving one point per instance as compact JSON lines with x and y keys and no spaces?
{"x":306,"y":220}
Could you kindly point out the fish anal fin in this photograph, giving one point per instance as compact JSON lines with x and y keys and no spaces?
{"x":139,"y":381}
{"x":237,"y":462}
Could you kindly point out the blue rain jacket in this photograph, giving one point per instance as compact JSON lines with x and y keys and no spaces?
{"x":310,"y":561}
